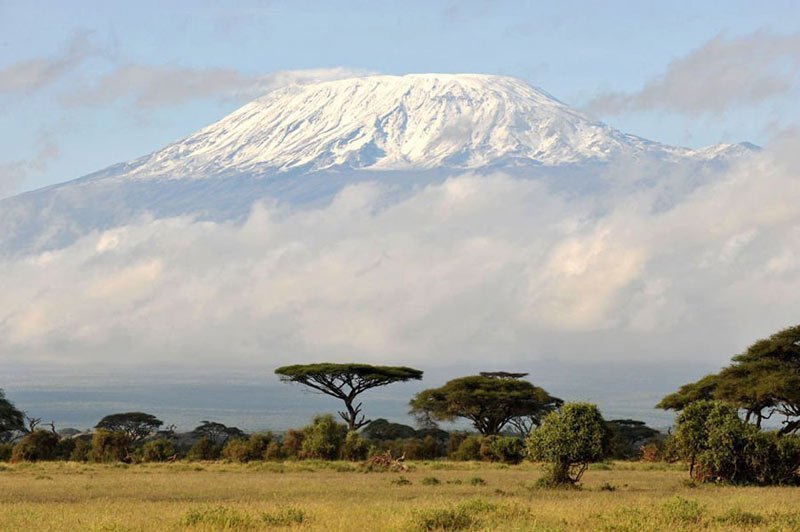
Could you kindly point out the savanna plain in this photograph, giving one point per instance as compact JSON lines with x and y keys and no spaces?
{"x":436,"y":495}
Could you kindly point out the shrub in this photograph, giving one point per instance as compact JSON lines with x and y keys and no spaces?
{"x":204,"y":449}
{"x":159,"y":450}
{"x":354,"y":447}
{"x":236,"y":450}
{"x":682,"y":511}
{"x":569,"y":440}
{"x":411,"y":449}
{"x":218,"y":518}
{"x":35,"y":446}
{"x":468,"y":449}
{"x":430,"y":448}
{"x":108,"y":446}
{"x":443,"y":519}
{"x":258,"y":444}
{"x":383,"y":430}
{"x":506,"y":449}
{"x":477,"y":481}
{"x":5,"y":451}
{"x":740,"y":519}
{"x":293,"y":443}
{"x":81,"y":450}
{"x":274,"y":451}
{"x":323,"y":438}
{"x":431,"y":481}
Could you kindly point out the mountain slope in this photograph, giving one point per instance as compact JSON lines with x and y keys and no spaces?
{"x":302,"y":144}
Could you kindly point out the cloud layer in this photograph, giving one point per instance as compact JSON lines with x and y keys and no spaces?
{"x":473,"y":269}
{"x":724,"y":73}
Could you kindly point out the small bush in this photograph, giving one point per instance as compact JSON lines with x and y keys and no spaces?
{"x":5,"y":451}
{"x":477,"y":481}
{"x":469,"y":449}
{"x":506,"y":449}
{"x":355,"y":447}
{"x":293,"y":443}
{"x":81,"y":450}
{"x":236,"y":450}
{"x":159,"y":450}
{"x":431,"y":481}
{"x":274,"y":452}
{"x":35,"y":446}
{"x":323,"y":438}
{"x":284,"y":517}
{"x":401,"y":481}
{"x":108,"y":446}
{"x":605,"y":486}
{"x":204,"y":449}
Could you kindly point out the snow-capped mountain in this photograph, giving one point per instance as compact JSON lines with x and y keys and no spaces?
{"x":426,"y":121}
{"x":303,"y":143}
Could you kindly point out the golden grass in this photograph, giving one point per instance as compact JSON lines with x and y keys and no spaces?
{"x":337,"y":496}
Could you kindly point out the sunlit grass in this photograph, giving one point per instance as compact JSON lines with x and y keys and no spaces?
{"x":340,"y":496}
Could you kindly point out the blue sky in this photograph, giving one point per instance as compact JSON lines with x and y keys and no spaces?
{"x":72,"y":119}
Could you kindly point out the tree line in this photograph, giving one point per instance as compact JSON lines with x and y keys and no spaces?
{"x":719,"y":431}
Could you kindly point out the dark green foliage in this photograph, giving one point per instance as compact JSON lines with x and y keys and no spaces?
{"x":719,"y":446}
{"x":347,"y":382}
{"x":627,"y":438}
{"x":159,"y":450}
{"x":488,"y":402}
{"x":81,"y":450}
{"x":108,"y":446}
{"x":382,"y":429}
{"x":65,"y":448}
{"x":35,"y":446}
{"x":135,"y":425}
{"x":204,"y":449}
{"x":762,"y":381}
{"x":292,"y":447}
{"x":323,"y":438}
{"x":217,"y":433}
{"x":11,"y":419}
{"x":506,"y":449}
{"x":5,"y":451}
{"x":248,"y":450}
{"x":569,"y":440}
{"x":355,"y":448}
{"x":469,"y":449}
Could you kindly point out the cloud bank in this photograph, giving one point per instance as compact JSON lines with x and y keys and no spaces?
{"x":475,"y":269}
{"x":724,"y":73}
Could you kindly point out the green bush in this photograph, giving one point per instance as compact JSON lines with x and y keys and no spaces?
{"x":159,"y":450}
{"x":108,"y":446}
{"x":468,"y":449}
{"x":81,"y":450}
{"x":35,"y":446}
{"x":284,"y":517}
{"x":292,"y":446}
{"x":569,"y":440}
{"x":236,"y":450}
{"x":204,"y":449}
{"x":355,"y":447}
{"x":323,"y":438}
{"x":274,"y":451}
{"x":506,"y":449}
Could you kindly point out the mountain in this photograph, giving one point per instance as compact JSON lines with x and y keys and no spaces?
{"x":301,"y":144}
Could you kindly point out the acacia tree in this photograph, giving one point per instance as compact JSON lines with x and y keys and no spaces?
{"x":11,"y":419}
{"x":217,"y":433}
{"x":489,"y":401}
{"x":135,"y":425}
{"x":347,"y":382}
{"x":762,"y":381}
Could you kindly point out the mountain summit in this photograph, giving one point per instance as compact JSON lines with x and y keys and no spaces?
{"x":301,"y":144}
{"x":418,"y":121}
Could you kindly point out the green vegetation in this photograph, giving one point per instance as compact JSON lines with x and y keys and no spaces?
{"x":347,"y":382}
{"x":489,"y":401}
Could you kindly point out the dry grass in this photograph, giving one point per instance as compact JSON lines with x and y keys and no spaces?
{"x":337,"y":496}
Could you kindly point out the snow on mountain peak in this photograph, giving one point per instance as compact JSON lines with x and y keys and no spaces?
{"x":416,"y":121}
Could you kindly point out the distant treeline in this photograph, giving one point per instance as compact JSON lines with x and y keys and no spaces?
{"x":718,"y":431}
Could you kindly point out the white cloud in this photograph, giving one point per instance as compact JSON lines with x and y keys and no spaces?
{"x":470,"y":270}
{"x":724,"y":73}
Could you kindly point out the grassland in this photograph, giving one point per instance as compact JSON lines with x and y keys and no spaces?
{"x":340,"y":496}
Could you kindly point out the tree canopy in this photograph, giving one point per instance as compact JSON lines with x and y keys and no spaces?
{"x":11,"y":419}
{"x":135,"y":425}
{"x":762,"y":381}
{"x":217,"y":433}
{"x":347,"y":382}
{"x":489,"y":402}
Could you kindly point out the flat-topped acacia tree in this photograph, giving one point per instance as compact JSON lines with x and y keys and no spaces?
{"x":347,"y":382}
